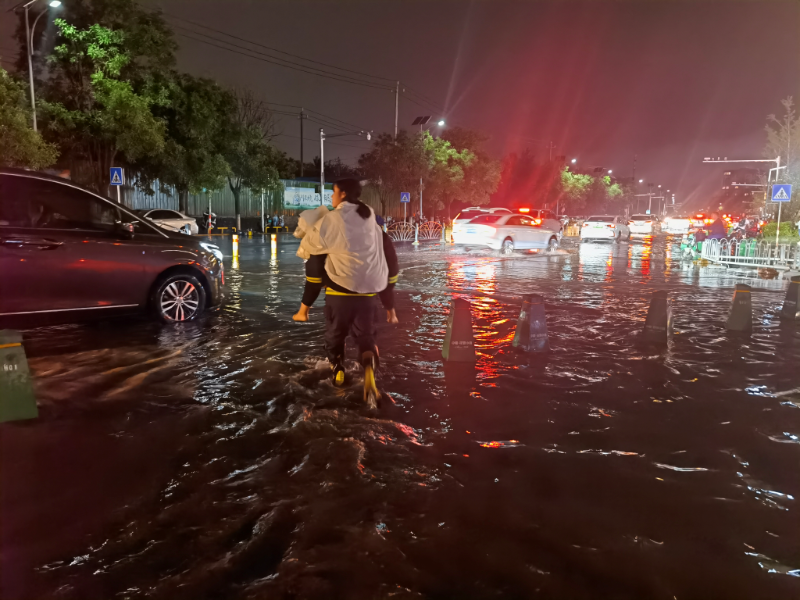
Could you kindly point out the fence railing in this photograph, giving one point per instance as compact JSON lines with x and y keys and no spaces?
{"x":752,"y":253}
{"x":406,"y":232}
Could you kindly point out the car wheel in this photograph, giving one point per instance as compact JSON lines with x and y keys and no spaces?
{"x":552,"y":244}
{"x":507,"y":247}
{"x":179,"y":297}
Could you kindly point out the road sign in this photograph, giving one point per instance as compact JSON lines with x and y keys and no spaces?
{"x":117,"y":176}
{"x":405,"y":196}
{"x":781,"y":192}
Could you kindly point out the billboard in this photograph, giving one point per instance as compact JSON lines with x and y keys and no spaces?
{"x":302,"y":198}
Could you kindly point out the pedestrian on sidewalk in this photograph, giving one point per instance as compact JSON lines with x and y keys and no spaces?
{"x":353,"y":258}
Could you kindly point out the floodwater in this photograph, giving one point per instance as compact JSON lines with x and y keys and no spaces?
{"x":214,"y":459}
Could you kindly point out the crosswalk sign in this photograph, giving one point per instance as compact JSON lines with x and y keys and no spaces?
{"x":781,"y":192}
{"x":405,"y":196}
{"x":116,"y":176}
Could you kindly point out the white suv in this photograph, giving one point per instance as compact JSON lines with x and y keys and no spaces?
{"x":605,"y":227}
{"x":475,"y":211}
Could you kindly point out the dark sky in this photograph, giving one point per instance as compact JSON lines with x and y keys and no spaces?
{"x":670,"y":82}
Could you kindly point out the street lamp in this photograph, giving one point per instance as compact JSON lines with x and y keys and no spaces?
{"x":574,"y":160}
{"x":29,"y":39}
{"x":322,"y":137}
{"x":641,"y":181}
{"x":441,"y":123}
{"x":610,"y":171}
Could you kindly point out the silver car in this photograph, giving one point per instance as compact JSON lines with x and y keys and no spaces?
{"x":171,"y":220}
{"x":507,"y":232}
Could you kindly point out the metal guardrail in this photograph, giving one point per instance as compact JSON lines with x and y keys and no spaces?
{"x":404,"y":232}
{"x":751,"y":253}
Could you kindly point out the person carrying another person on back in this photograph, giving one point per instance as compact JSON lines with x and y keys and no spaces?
{"x":353,"y":258}
{"x":717,"y":230}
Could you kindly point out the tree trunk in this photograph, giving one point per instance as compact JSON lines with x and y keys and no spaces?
{"x":183,"y":201}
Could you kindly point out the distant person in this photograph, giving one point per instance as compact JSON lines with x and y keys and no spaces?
{"x":717,"y":229}
{"x":281,"y":221}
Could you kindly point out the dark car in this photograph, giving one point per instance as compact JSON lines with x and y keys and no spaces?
{"x":66,"y":251}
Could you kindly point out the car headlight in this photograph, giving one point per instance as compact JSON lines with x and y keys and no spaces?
{"x":213,"y":248}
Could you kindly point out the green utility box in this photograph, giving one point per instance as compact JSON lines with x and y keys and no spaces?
{"x":17,"y":401}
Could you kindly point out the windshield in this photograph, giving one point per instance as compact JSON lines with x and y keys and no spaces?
{"x":642,"y":218}
{"x":601,"y":219}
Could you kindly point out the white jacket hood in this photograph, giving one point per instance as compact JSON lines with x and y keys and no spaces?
{"x":354,"y":247}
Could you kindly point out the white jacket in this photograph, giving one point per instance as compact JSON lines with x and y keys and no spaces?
{"x":354,"y":247}
{"x":307,"y":219}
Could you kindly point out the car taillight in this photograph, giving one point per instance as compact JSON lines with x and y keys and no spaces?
{"x":648,"y":222}
{"x":611,"y":225}
{"x":537,"y":221}
{"x":707,"y":221}
{"x":630,"y":222}
{"x":585,"y":225}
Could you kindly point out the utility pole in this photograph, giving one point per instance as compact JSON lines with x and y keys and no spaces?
{"x":302,"y":116}
{"x":321,"y":167}
{"x":420,"y":198}
{"x":29,"y":44}
{"x":551,"y":147}
{"x":396,"y":107}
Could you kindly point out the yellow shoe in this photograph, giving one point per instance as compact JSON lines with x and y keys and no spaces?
{"x":338,"y":375}
{"x":371,"y":393}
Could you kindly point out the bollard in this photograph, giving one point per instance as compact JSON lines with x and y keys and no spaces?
{"x":741,"y":315}
{"x":658,"y":326}
{"x":459,"y":342}
{"x":235,"y":246}
{"x":17,"y":401}
{"x":249,"y":233}
{"x":531,"y":333}
{"x":416,"y":237}
{"x":273,"y":237}
{"x":791,"y":305}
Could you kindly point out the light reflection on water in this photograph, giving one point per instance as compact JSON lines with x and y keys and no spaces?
{"x":232,"y":468}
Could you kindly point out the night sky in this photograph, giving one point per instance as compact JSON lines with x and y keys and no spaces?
{"x":669,"y":82}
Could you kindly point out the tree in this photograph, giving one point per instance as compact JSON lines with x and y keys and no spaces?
{"x":481,"y":173}
{"x":576,"y":189}
{"x":244,"y":142}
{"x":99,"y":118}
{"x":191,"y":160}
{"x":394,"y":165}
{"x":783,"y":139}
{"x":21,"y":146}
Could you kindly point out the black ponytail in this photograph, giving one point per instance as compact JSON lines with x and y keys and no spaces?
{"x":352,"y":190}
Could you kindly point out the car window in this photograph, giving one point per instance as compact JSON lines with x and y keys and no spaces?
{"x":164,"y":214}
{"x":40,"y":204}
{"x":602,"y":219}
{"x":526,"y":221}
{"x":515,"y":220}
{"x":548,"y":215}
{"x":485,"y":220}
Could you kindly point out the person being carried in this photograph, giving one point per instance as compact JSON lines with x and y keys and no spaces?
{"x":355,"y":261}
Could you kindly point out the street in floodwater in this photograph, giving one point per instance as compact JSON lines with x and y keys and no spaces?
{"x":215,"y":460}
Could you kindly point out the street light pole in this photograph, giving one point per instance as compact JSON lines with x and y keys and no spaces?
{"x":321,"y":167}
{"x":302,"y":117}
{"x":29,"y":44}
{"x":396,"y":107}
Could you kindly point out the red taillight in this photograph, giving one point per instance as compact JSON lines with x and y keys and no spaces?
{"x":648,"y":222}
{"x":537,"y":221}
{"x":707,"y":221}
{"x":611,"y":225}
{"x":630,"y":222}
{"x":524,"y":210}
{"x":585,"y":225}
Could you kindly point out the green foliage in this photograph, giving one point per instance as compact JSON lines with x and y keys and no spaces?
{"x":788,"y":232}
{"x":394,"y":165}
{"x":21,"y":146}
{"x":576,"y":189}
{"x":95,"y":114}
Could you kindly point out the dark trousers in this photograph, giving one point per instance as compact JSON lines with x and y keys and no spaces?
{"x":349,"y":314}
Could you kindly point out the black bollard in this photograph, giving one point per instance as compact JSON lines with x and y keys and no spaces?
{"x":459,"y":342}
{"x":17,"y":401}
{"x":791,"y":306}
{"x":658,"y":326}
{"x":531,"y":333}
{"x":741,"y":315}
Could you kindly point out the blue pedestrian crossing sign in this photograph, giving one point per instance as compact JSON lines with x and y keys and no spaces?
{"x":781,"y":192}
{"x":405,"y":196}
{"x":116,"y":176}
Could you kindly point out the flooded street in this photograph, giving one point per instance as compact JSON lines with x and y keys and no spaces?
{"x":216,"y":460}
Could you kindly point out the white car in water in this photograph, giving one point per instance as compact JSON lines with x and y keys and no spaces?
{"x":605,"y":227}
{"x":470,"y":213}
{"x":677,"y":224}
{"x":506,"y":232}
{"x":171,"y":220}
{"x":646,"y":224}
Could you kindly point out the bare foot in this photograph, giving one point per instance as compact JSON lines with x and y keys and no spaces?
{"x":301,"y":316}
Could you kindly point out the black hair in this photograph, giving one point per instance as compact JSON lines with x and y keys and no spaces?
{"x":352,"y":190}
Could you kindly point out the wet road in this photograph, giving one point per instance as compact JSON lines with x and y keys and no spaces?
{"x":214,"y":459}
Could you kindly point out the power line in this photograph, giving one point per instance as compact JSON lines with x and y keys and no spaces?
{"x":297,"y":137}
{"x":278,"y":61}
{"x":296,"y":56}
